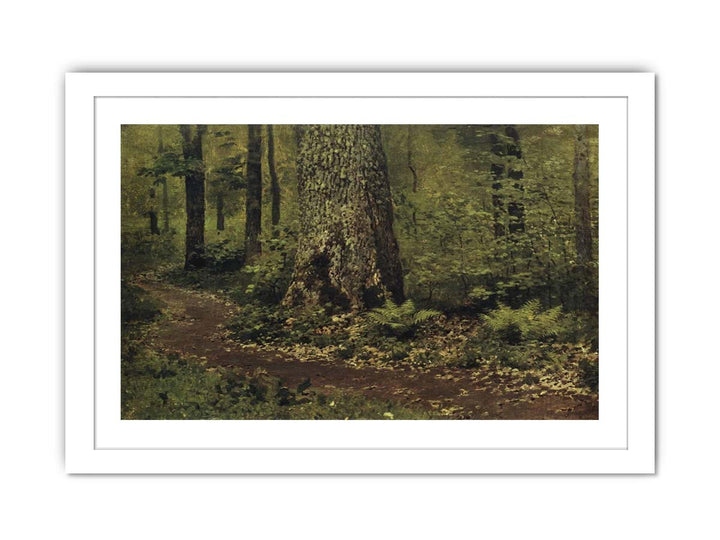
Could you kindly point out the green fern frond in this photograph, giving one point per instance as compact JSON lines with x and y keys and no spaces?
{"x":400,"y":318}
{"x":424,"y":314}
{"x":378,"y":317}
{"x":529,"y":322}
{"x":398,"y":326}
{"x":406,"y":309}
{"x":531,"y":308}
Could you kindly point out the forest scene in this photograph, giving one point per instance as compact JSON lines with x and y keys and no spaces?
{"x":387,"y":272}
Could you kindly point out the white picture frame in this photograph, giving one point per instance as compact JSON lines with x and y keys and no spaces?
{"x":622,"y":440}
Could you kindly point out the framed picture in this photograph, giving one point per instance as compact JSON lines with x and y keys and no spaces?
{"x":407,"y":273}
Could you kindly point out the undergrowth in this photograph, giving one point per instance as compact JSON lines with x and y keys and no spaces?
{"x":169,"y":387}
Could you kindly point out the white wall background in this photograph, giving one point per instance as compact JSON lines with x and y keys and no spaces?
{"x":42,"y":40}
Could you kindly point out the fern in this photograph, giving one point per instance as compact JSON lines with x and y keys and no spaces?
{"x":400,"y":319}
{"x":423,"y":315}
{"x":528,"y":323}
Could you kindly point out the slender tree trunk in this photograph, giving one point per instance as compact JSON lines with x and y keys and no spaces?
{"x":152,"y":213}
{"x":410,"y":164}
{"x":220,"y":203}
{"x":413,"y":171}
{"x":165,"y":205}
{"x":194,"y":195}
{"x":581,"y":185}
{"x":253,"y":199}
{"x":347,"y":253}
{"x":274,"y":183}
{"x":163,"y":181}
{"x":154,"y":222}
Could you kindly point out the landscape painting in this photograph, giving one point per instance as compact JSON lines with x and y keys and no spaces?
{"x":359,"y":272}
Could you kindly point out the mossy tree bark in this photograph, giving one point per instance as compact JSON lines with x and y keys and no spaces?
{"x":347,"y":253}
{"x":253,"y":197}
{"x":194,"y":195}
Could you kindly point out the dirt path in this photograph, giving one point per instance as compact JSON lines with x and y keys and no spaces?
{"x":195,"y":327}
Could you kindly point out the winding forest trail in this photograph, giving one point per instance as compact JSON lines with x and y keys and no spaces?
{"x":195,"y":327}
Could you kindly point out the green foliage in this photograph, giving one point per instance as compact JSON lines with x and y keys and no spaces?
{"x":174,"y":388}
{"x":590,"y":373}
{"x":400,"y":351}
{"x":261,"y":323}
{"x":230,"y":174}
{"x":400,"y":320}
{"x":268,"y":277}
{"x":136,"y":305}
{"x":528,"y":323}
{"x":140,"y":250}
{"x":521,"y":338}
{"x":476,"y":350}
{"x":172,"y":164}
{"x":579,"y":327}
{"x":448,"y":203}
{"x":222,"y":257}
{"x":490,"y":348}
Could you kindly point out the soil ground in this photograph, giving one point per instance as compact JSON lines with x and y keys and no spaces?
{"x":195,"y":327}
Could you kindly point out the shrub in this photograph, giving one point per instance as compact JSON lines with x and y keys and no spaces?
{"x":516,"y":357}
{"x":170,"y":387}
{"x":136,"y":305}
{"x":141,"y":250}
{"x":345,"y":351}
{"x":400,"y":351}
{"x":259,"y":323}
{"x":400,"y":320}
{"x":221,"y":257}
{"x":579,"y":327}
{"x":266,"y":280}
{"x":477,"y":349}
{"x":589,"y":373}
{"x":489,"y":346}
{"x":528,"y":323}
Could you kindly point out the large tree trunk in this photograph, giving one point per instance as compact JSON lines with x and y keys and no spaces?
{"x":253,"y":199}
{"x":506,"y":147}
{"x":274,"y":183}
{"x":194,"y":196}
{"x":347,"y":253}
{"x":581,"y":184}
